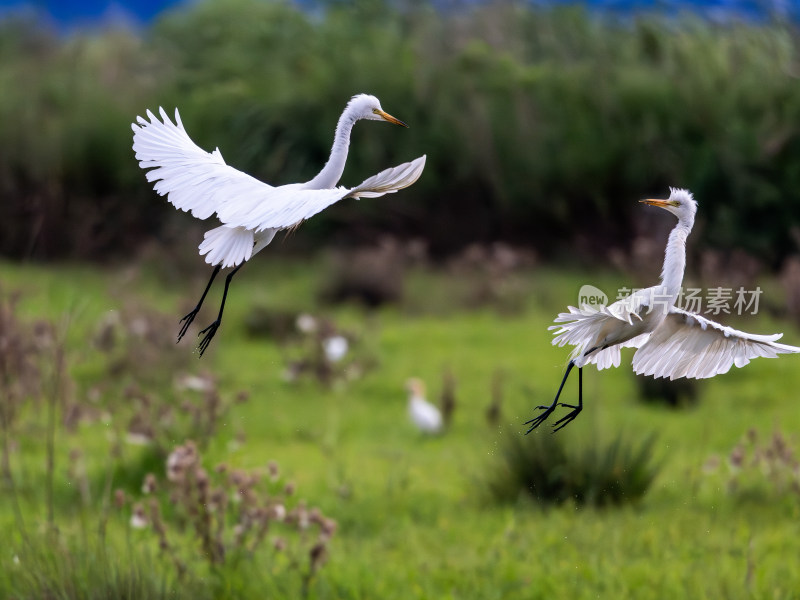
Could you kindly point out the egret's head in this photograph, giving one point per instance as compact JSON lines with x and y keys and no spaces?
{"x":364,"y":106}
{"x":680,"y":203}
{"x":415,"y":387}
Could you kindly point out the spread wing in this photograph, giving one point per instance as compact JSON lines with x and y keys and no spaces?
{"x":192,"y":179}
{"x":290,"y":205}
{"x":686,"y":344}
{"x":201,"y":183}
{"x":584,"y":327}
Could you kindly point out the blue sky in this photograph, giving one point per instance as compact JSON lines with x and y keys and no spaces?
{"x":94,"y":12}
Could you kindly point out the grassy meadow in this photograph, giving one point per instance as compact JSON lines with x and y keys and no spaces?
{"x":129,"y":468}
{"x":413,"y":517}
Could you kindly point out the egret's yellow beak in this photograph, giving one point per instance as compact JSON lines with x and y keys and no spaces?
{"x":387,"y":117}
{"x":659,"y":203}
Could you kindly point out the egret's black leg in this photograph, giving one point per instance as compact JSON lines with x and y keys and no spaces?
{"x":187,"y":320}
{"x":576,"y":409}
{"x":212,"y":329}
{"x":567,"y":419}
{"x":535,"y":422}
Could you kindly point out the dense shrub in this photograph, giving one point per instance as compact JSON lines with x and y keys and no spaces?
{"x":545,"y":468}
{"x":540,"y":126}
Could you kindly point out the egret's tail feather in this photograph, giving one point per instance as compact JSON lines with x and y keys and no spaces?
{"x":227,"y":246}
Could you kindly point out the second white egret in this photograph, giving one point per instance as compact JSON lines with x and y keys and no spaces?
{"x":251,"y":212}
{"x":671,"y":342}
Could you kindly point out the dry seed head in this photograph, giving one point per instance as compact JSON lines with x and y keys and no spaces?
{"x":315,"y":516}
{"x":329,"y":527}
{"x":139,"y":517}
{"x":149,"y":485}
{"x":752,"y":435}
{"x":302,"y":518}
{"x":277,"y":512}
{"x":201,"y":477}
{"x":238,"y":477}
{"x":737,"y":456}
{"x":317,"y":554}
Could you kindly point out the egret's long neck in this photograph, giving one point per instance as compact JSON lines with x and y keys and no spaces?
{"x":330,"y":174}
{"x":675,"y":259}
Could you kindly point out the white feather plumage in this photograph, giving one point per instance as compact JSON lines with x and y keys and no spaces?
{"x":200,"y":183}
{"x":426,"y":417}
{"x":251,"y":212}
{"x":671,"y":342}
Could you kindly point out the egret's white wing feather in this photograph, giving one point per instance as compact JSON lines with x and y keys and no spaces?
{"x":390,"y":180}
{"x":201,"y":183}
{"x":686,"y":344}
{"x":289,"y":205}
{"x":192,"y":179}
{"x":611,"y":356}
{"x":587,"y":326}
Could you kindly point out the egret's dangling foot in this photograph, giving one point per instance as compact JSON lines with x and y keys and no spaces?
{"x":568,"y":418}
{"x":211,"y":330}
{"x":187,"y":320}
{"x":535,"y":422}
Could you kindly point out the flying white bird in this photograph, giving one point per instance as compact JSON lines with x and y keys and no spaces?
{"x":671,"y":342}
{"x":251,"y":211}
{"x":423,"y":414}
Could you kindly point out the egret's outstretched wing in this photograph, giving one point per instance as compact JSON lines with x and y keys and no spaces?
{"x":585,"y":327}
{"x":289,"y":205}
{"x":689,"y":345}
{"x":192,"y":179}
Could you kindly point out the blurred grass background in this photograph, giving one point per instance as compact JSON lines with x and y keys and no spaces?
{"x":417,"y":517}
{"x":542,"y":127}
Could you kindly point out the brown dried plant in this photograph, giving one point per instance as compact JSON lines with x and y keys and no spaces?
{"x":230,"y":513}
{"x":325,"y":352}
{"x":27,"y":352}
{"x":492,"y":274}
{"x":756,"y":465}
{"x":145,"y":384}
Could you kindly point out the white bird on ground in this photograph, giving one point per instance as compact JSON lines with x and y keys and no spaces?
{"x":251,"y":211}
{"x":423,"y":414}
{"x":671,"y":342}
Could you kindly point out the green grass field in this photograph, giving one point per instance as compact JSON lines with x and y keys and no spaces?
{"x":414,"y":519}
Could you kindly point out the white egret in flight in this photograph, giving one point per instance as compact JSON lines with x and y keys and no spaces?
{"x":251,"y":212}
{"x":670,"y":342}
